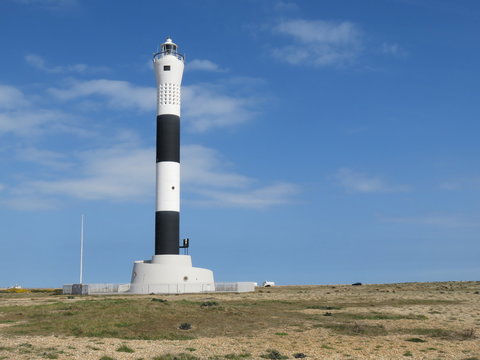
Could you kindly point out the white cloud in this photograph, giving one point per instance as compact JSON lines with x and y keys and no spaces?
{"x":285,"y":7}
{"x":28,"y":123}
{"x":204,"y":106}
{"x":205,"y":167}
{"x":318,"y":42}
{"x":360,"y":182}
{"x":40,"y":63}
{"x":442,"y":220}
{"x":203,"y":65}
{"x":49,"y":4}
{"x":119,"y":94}
{"x":114,"y":174}
{"x":393,"y":49}
{"x":206,"y":175}
{"x":28,"y":203}
{"x":123,"y":170}
{"x":21,"y":117}
{"x":464,"y":183}
{"x":11,"y":98}
{"x":125,"y":173}
{"x":261,"y":197}
{"x":51,"y":159}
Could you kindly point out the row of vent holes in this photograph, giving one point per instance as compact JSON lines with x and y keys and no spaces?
{"x":169,"y":86}
{"x":166,"y":96}
{"x":169,"y":101}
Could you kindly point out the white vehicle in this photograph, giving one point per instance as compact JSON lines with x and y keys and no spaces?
{"x":268,"y":283}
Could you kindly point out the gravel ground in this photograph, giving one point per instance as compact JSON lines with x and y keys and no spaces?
{"x":316,"y":343}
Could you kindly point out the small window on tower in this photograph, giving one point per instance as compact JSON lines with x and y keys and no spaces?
{"x":166,"y":67}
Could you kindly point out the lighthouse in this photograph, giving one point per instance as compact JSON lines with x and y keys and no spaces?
{"x":168,"y":272}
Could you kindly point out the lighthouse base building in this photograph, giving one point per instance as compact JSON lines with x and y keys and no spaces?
{"x":170,"y":274}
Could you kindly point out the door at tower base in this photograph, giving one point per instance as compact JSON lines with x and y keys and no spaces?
{"x":170,"y":274}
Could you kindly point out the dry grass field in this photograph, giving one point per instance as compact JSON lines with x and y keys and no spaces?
{"x":394,"y":321}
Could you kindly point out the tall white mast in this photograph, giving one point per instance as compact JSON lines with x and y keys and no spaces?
{"x":81,"y":250}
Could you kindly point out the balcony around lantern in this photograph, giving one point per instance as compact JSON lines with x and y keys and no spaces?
{"x":166,"y":52}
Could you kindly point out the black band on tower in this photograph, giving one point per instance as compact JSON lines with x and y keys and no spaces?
{"x":168,"y":138}
{"x":167,"y":232}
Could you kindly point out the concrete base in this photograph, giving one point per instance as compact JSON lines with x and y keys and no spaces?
{"x":170,"y":274}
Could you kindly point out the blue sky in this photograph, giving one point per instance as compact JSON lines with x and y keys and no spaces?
{"x":322,"y":141}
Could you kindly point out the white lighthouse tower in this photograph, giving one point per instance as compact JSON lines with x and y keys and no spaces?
{"x":168,"y":272}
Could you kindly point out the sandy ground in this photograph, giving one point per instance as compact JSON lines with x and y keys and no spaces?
{"x":463,"y":314}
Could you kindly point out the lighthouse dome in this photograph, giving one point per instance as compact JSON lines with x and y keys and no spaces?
{"x":169,"y":47}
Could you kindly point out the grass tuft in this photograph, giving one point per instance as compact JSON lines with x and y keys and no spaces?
{"x":125,"y":348}
{"x":354,"y":328}
{"x":324,"y":307}
{"x":416,"y":340}
{"x":379,"y":316}
{"x":50,"y":356}
{"x":238,"y":356}
{"x":181,"y":356}
{"x":467,"y":334}
{"x":444,"y":334}
{"x":160,"y":300}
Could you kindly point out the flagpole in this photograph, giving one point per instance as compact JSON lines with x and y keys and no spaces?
{"x":81,"y":250}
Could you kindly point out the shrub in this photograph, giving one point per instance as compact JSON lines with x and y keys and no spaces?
{"x":273,"y":354}
{"x":185,"y":326}
{"x":299,"y":355}
{"x":209,"y":303}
